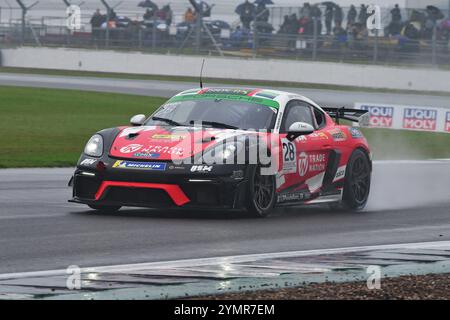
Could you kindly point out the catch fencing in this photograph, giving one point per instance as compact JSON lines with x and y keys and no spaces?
{"x":263,"y":40}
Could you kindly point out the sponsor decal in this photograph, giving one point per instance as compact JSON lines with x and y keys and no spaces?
{"x":356,"y":133}
{"x":317,"y":162}
{"x":131,"y":148}
{"x":201,"y":168}
{"x":289,"y":157}
{"x":280,"y":117}
{"x":172,"y":167}
{"x":279,"y":179}
{"x":88,"y":162}
{"x":315,"y":183}
{"x":243,"y":92}
{"x":338,"y":135}
{"x":420,"y":119}
{"x":147,"y":155}
{"x":302,"y":164}
{"x":447,"y":122}
{"x":314,"y":162}
{"x":318,"y":136}
{"x":381,"y":117}
{"x":302,"y":139}
{"x":171,"y":137}
{"x":209,"y":95}
{"x":340,"y":173}
{"x":152,"y":149}
{"x":154,"y":166}
{"x":295,"y":196}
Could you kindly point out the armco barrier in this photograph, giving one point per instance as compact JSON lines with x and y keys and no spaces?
{"x":417,"y":118}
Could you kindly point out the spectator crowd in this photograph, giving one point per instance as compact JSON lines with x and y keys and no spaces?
{"x":323,"y":19}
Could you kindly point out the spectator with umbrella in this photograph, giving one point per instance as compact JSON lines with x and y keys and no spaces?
{"x":433,"y":14}
{"x":396,"y":14}
{"x":338,"y":16}
{"x":395,"y":26}
{"x":97,"y":20}
{"x":315,"y":12}
{"x":262,"y":13}
{"x":264,"y":2}
{"x":351,"y":16}
{"x":246,"y":12}
{"x":363,"y":15}
{"x":328,"y":15}
{"x":148,"y":15}
{"x":148,"y":4}
{"x":169,"y":14}
{"x":305,"y":11}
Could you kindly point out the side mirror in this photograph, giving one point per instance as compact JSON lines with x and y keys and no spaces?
{"x":138,"y":120}
{"x":298,"y":129}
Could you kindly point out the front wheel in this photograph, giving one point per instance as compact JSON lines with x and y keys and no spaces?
{"x":105,"y":209}
{"x":357,"y":181}
{"x":261,"y":193}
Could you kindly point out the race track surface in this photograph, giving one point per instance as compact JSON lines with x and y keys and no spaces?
{"x":169,"y":88}
{"x":410,"y":202}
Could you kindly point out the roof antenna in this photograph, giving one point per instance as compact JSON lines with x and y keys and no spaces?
{"x":201,"y":74}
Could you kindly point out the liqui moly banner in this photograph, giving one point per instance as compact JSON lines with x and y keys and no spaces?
{"x":416,"y":118}
{"x":420,"y":119}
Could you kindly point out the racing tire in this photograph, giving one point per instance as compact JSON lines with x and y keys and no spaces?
{"x":357,"y":181}
{"x":261,"y":193}
{"x":105,"y":209}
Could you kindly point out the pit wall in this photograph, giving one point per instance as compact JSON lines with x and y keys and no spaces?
{"x":365,"y":76}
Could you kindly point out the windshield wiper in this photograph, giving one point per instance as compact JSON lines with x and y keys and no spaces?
{"x":214,"y":124}
{"x":168,"y":121}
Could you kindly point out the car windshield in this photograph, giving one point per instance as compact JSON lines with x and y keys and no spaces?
{"x":216,"y":112}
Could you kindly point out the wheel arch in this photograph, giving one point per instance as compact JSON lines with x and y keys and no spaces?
{"x":366,"y":152}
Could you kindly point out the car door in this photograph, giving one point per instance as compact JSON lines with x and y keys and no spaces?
{"x":304,"y":160}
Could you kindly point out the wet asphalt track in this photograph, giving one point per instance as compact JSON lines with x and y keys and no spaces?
{"x":39,"y":230}
{"x":169,"y":88}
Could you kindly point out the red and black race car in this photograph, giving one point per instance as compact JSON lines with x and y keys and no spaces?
{"x":226,"y":148}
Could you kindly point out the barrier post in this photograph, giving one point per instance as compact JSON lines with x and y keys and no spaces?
{"x":375,"y":47}
{"x":434,"y":44}
{"x":314,"y":51}
{"x":25,"y":10}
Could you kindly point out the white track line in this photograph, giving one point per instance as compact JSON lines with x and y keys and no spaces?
{"x":430,"y":161}
{"x":225,"y":260}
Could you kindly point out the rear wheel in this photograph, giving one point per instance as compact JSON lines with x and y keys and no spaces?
{"x":261,"y":193}
{"x":357,"y":181}
{"x":105,"y":209}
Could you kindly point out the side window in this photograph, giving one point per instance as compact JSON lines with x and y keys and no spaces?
{"x":297,"y":111}
{"x":320,"y":118}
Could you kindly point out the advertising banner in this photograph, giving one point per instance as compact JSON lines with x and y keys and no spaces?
{"x":407,"y":117}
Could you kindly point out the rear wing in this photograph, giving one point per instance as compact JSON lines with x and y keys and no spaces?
{"x":354,"y":115}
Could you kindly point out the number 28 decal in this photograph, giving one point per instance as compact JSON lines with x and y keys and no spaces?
{"x":289,"y":157}
{"x":289,"y":151}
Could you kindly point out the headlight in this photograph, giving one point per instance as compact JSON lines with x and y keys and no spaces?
{"x":94,"y":147}
{"x":222,"y":153}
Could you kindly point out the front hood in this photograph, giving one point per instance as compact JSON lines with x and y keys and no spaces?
{"x":167,"y":143}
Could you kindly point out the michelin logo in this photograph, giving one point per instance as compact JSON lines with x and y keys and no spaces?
{"x":156,"y":166}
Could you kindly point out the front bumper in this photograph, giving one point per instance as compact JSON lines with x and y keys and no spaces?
{"x":176,"y":187}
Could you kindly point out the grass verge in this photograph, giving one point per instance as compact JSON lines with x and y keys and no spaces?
{"x":49,"y":127}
